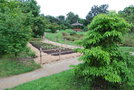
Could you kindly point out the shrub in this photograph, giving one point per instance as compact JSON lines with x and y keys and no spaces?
{"x":103,"y":64}
{"x":71,"y":32}
{"x":69,"y":38}
{"x":64,"y":34}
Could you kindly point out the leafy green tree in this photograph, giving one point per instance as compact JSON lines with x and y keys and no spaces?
{"x":14,"y":35}
{"x":72,"y":18}
{"x":30,"y":6}
{"x":102,"y":62}
{"x":34,"y":19}
{"x":128,"y":15}
{"x":53,"y":27}
{"x":52,"y":19}
{"x":61,"y":18}
{"x":95,"y":10}
{"x":39,"y":26}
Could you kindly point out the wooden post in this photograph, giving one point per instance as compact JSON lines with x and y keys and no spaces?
{"x":59,"y":53}
{"x":40,"y":56}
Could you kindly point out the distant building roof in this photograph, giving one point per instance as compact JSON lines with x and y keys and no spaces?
{"x":77,"y":24}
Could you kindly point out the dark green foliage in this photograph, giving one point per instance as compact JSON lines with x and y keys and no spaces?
{"x":95,"y":10}
{"x":14,"y":35}
{"x":53,"y":27}
{"x":38,"y":26}
{"x":72,"y":18}
{"x":128,"y":15}
{"x":103,"y":63}
{"x":34,"y":19}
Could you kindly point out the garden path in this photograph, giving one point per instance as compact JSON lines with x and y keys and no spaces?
{"x":46,"y":70}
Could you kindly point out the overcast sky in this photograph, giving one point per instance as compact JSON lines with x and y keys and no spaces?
{"x":80,"y":7}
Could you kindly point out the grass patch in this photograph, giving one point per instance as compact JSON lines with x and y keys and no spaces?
{"x":69,"y":39}
{"x":128,"y":40}
{"x":10,"y":65}
{"x":61,"y":81}
{"x":127,"y":49}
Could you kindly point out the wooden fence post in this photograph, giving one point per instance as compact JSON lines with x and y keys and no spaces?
{"x":59,"y":53}
{"x":40,"y":56}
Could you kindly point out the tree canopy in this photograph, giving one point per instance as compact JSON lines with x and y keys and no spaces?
{"x":95,"y":10}
{"x":14,"y":34}
{"x":128,"y":15}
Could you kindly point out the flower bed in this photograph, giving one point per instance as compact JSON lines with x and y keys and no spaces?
{"x":51,"y":49}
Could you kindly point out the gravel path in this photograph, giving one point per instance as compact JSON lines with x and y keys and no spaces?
{"x":46,"y":70}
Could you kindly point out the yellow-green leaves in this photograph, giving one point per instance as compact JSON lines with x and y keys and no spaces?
{"x":101,"y":58}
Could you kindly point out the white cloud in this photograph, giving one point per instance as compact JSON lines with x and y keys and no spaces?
{"x":80,"y":7}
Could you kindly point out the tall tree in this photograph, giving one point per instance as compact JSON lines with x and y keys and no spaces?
{"x":14,"y":34}
{"x":61,"y":18}
{"x":95,"y":10}
{"x":72,"y":18}
{"x":34,"y":19}
{"x":52,"y":19}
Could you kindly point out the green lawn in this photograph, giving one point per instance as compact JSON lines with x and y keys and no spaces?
{"x":10,"y":65}
{"x":66,"y":80}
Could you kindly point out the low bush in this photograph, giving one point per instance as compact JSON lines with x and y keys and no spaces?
{"x":71,"y":32}
{"x":64,"y":34}
{"x":70,"y":38}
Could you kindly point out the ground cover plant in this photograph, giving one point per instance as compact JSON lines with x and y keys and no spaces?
{"x":103,"y":64}
{"x":67,"y":80}
{"x":10,"y":65}
{"x":65,"y":36}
